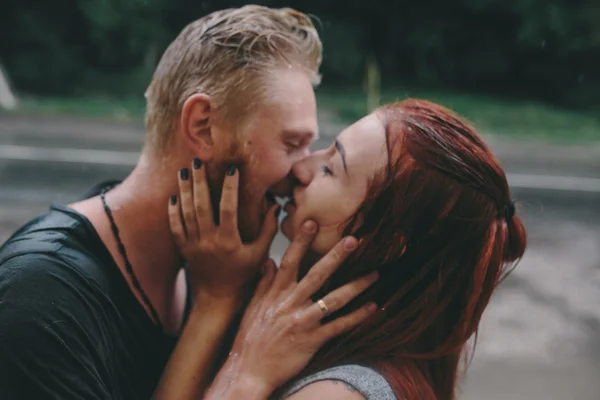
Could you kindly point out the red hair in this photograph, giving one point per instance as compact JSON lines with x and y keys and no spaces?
{"x":435,"y":227}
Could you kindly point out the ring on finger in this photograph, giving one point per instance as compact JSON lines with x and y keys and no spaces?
{"x":323,"y":307}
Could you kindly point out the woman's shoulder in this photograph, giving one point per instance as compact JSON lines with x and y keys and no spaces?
{"x":366,"y":381}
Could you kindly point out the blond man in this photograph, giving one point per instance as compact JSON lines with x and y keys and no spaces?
{"x":92,"y":295}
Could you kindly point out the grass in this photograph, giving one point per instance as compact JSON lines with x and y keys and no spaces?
{"x":515,"y":119}
{"x":102,"y":108}
{"x":491,"y":115}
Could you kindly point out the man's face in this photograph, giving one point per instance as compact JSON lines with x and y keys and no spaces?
{"x":277,"y":135}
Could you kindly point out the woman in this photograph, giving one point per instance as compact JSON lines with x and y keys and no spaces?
{"x":431,"y":208}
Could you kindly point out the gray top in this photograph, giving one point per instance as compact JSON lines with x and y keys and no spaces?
{"x":365,"y":380}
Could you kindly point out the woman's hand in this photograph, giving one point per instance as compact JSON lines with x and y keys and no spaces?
{"x":220,"y":265}
{"x":281,"y":329}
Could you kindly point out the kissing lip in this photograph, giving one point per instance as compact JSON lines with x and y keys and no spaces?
{"x":270,"y":198}
{"x":290,"y":203}
{"x":289,"y":207}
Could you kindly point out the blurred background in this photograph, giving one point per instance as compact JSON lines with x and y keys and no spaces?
{"x":526,"y":72}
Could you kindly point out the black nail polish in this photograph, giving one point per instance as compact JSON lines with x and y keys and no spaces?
{"x":173,"y":199}
{"x":184,"y":174}
{"x":277,"y":212}
{"x":197,"y":163}
{"x":231,"y":170}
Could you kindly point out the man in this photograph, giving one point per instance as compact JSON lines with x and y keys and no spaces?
{"x":92,"y":296}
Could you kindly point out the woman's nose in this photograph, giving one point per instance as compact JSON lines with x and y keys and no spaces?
{"x":304,"y":170}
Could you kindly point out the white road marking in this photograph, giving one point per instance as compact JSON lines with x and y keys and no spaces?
{"x":85,"y":156}
{"x":565,"y":183}
{"x":124,"y":158}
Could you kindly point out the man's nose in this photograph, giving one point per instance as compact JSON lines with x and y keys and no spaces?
{"x":305,"y":169}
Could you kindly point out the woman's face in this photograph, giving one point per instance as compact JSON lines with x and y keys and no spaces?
{"x":334,"y":182}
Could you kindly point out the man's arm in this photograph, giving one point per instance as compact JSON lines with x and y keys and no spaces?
{"x":46,"y":347}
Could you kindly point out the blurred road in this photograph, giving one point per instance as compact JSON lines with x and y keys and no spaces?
{"x":540,"y":336}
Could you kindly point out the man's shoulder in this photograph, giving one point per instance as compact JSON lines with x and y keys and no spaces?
{"x":54,"y":249}
{"x":44,"y":233}
{"x":60,"y":231}
{"x":38,"y":283}
{"x":41,"y":289}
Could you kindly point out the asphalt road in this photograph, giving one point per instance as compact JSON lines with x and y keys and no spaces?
{"x":540,"y":336}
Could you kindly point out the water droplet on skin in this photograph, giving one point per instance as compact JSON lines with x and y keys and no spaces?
{"x":270,"y":313}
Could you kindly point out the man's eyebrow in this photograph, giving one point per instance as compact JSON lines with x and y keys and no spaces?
{"x":342,"y":152}
{"x":301,"y":133}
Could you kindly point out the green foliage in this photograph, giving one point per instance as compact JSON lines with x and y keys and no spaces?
{"x":546,"y":49}
{"x":523,"y":119}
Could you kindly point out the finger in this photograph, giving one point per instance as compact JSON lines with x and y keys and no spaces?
{"x":340,"y":297}
{"x":269,"y":270}
{"x":187,"y":204}
{"x":202,"y":203}
{"x":324,"y":268}
{"x":261,"y":246}
{"x":288,"y":268}
{"x":175,"y":222}
{"x":228,"y":223}
{"x":345,"y":323}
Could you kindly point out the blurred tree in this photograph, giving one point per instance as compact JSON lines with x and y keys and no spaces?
{"x":548,"y":49}
{"x":372,"y":85}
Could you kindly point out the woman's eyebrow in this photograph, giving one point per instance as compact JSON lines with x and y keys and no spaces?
{"x":342,"y":152}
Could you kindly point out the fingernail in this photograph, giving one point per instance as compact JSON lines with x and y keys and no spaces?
{"x":197,"y":163}
{"x":231,"y":170}
{"x":184,"y":174}
{"x":371,"y":307}
{"x":309,"y":227}
{"x":173,"y":199}
{"x":350,"y":244}
{"x":277,"y":212}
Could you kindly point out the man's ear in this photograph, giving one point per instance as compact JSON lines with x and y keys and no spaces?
{"x":197,"y":115}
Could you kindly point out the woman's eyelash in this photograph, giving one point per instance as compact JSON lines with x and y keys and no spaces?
{"x":326,"y":170}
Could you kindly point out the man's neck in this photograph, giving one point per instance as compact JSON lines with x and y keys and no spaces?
{"x":139,"y":209}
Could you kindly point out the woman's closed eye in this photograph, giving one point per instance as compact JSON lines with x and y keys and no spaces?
{"x":326,"y":170}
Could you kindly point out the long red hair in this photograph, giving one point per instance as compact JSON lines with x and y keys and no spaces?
{"x":436,"y":227}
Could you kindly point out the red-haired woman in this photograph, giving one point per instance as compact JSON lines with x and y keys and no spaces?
{"x":431,"y":209}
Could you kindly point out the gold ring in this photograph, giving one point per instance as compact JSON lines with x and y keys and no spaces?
{"x":323,"y":307}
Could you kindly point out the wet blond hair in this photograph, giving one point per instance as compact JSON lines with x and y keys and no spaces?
{"x":228,"y":55}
